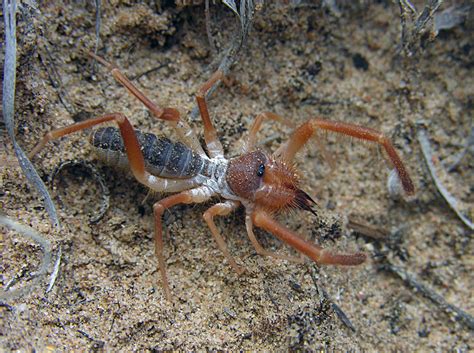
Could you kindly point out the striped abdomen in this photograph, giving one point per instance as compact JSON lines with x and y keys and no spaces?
{"x":163,"y":157}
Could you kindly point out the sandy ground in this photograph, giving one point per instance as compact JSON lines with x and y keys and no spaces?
{"x":299,"y":62}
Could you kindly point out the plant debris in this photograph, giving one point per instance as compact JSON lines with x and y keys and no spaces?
{"x":8,"y":99}
{"x":29,"y":233}
{"x":415,"y":23}
{"x":459,"y":314}
{"x":452,"y":202}
{"x":55,"y":272}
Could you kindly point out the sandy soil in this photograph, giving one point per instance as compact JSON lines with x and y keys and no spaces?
{"x":299,"y":62}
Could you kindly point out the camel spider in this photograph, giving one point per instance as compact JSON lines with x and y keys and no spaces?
{"x":264,"y":184}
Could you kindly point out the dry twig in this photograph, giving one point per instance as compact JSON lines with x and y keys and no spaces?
{"x":459,"y":314}
{"x":410,"y":279}
{"x":414,"y":23}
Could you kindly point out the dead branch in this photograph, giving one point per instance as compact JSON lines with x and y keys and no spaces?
{"x":459,"y":314}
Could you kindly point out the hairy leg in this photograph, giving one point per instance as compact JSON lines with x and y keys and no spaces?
{"x":197,"y":195}
{"x":303,"y":133}
{"x":171,"y":115}
{"x":214,"y":146}
{"x":222,"y":209}
{"x":316,"y":253}
{"x":256,"y":126}
{"x":265,"y":116}
{"x":260,"y":250}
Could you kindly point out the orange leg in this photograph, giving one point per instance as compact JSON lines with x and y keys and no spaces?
{"x":259,"y":248}
{"x":214,"y":146}
{"x":257,"y":124}
{"x":197,"y":195}
{"x":222,"y":209}
{"x":314,"y":252}
{"x":252,"y":140}
{"x":171,"y":115}
{"x":132,"y":148}
{"x":332,"y":165}
{"x":302,"y":134}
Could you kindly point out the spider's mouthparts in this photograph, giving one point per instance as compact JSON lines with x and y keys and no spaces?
{"x":304,"y":202}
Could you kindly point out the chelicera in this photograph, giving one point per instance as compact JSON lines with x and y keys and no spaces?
{"x":265,"y":184}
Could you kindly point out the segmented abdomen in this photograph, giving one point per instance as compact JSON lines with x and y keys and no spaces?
{"x":163,"y":157}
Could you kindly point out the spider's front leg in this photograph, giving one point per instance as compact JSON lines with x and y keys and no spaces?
{"x":251,"y":142}
{"x":259,"y":248}
{"x":316,"y":253}
{"x":302,"y":134}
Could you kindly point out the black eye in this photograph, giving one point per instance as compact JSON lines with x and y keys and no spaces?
{"x":260,"y":170}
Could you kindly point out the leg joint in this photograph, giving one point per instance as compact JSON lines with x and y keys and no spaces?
{"x":158,"y":209}
{"x":119,"y":118}
{"x":208,"y":216}
{"x":256,"y":218}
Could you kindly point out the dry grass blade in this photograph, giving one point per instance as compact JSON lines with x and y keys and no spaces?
{"x":427,"y":14}
{"x":452,"y":202}
{"x":97,"y":24}
{"x":231,"y":4}
{"x":29,"y":233}
{"x":55,"y":272}
{"x":55,"y":78}
{"x":8,"y":99}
